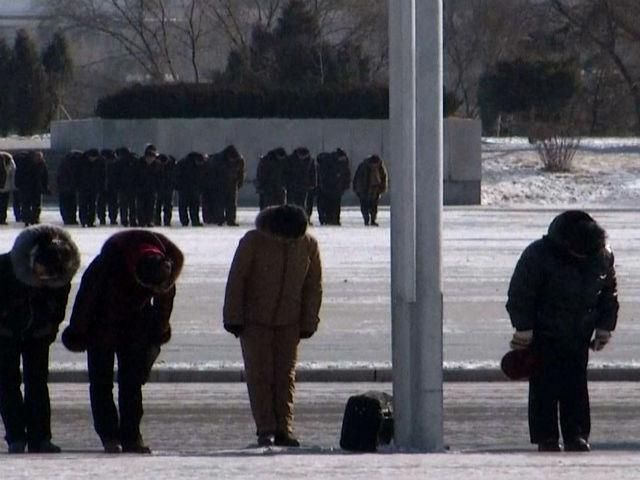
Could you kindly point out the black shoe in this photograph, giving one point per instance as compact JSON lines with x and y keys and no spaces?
{"x":266,"y":440}
{"x":550,"y":446}
{"x":285,"y":440}
{"x":233,"y":224}
{"x":111,"y":446}
{"x":17,"y":447}
{"x":374,"y":223}
{"x":45,"y":446}
{"x":135,"y":447}
{"x":578,"y":444}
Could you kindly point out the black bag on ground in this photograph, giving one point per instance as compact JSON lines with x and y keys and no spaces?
{"x":367,"y":422}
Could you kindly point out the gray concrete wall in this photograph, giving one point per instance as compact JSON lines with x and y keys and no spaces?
{"x":255,"y":137}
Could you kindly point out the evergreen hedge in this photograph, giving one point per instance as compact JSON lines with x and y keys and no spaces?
{"x":206,"y":100}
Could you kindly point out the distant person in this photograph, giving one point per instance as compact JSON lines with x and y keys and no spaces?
{"x":91,"y":178}
{"x":67,"y":182}
{"x":32,"y":181}
{"x":122,"y":310}
{"x":190,"y":177}
{"x":334,"y":178}
{"x":126,"y":168}
{"x":148,"y":176}
{"x":165,"y":187}
{"x":270,"y":178}
{"x":7,"y":183}
{"x":300,"y":177}
{"x":369,"y":182}
{"x":36,"y":279}
{"x":562,"y":300}
{"x":272,"y":300}
{"x":107,"y":205}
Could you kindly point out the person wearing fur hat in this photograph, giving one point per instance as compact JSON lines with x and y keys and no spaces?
{"x":122,"y":310}
{"x":36,"y":279}
{"x":369,"y":182}
{"x":562,"y":301}
{"x":272,"y":300}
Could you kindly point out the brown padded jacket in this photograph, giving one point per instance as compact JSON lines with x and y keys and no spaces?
{"x":274,"y":280}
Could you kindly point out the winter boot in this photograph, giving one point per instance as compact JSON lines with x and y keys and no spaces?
{"x":111,"y":445}
{"x":266,"y":440}
{"x":549,"y":446}
{"x":135,"y":447}
{"x":17,"y":447}
{"x":283,"y":439}
{"x":45,"y":446}
{"x":577,"y":444}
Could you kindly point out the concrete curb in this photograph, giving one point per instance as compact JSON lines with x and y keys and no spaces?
{"x":337,"y":375}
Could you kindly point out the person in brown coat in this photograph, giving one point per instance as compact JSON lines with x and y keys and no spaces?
{"x":122,"y":309}
{"x":369,"y":182}
{"x":272,"y":300}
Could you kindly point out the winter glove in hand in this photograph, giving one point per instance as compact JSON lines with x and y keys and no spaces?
{"x":73,"y":340}
{"x":306,"y":334}
{"x":601,"y":338}
{"x":521,"y":340}
{"x":235,"y":329}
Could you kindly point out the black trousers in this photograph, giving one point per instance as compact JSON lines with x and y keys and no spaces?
{"x":128,"y":213}
{"x":31,"y":203}
{"x":133,"y":370}
{"x":87,"y":207}
{"x":164,"y":208}
{"x":369,"y":208}
{"x":68,"y":204}
{"x":559,"y":392}
{"x":28,"y":418}
{"x":271,"y":197}
{"x":329,"y":206}
{"x":4,"y":204}
{"x":146,"y":202}
{"x":108,"y":205}
{"x":189,"y":208}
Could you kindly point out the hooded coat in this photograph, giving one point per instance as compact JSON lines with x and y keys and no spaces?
{"x":276,"y":275}
{"x":112,"y":306}
{"x":31,"y":307}
{"x":559,"y":295}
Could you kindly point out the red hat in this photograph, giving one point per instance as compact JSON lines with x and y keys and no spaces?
{"x":521,"y":364}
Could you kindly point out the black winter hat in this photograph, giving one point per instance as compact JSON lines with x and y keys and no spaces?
{"x":150,"y":150}
{"x":578,"y":232}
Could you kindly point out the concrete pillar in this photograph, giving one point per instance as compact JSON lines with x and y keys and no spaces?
{"x":415,"y":36}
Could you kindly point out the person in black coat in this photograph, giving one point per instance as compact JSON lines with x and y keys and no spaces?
{"x":36,"y":279}
{"x":122,"y":309}
{"x":270,"y":178}
{"x":334,"y":178}
{"x":165,"y":188}
{"x":148,"y":172}
{"x":108,"y":197}
{"x":91,"y":174}
{"x":300,"y":176}
{"x":67,"y":181}
{"x":190,"y":174}
{"x":563,"y":300}
{"x":126,"y":168}
{"x":32,"y":181}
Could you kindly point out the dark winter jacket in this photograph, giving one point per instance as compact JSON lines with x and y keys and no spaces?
{"x":166,"y":174}
{"x":334,"y":173}
{"x":112,"y":308}
{"x":276,"y":274}
{"x":370,"y":179}
{"x":233,"y":173}
{"x":126,"y":168}
{"x":560,"y":295}
{"x":301,"y":171}
{"x":270,"y":173}
{"x":33,"y":306}
{"x":91,"y":172}
{"x":67,"y":174}
{"x":190,"y":173}
{"x":32,"y":174}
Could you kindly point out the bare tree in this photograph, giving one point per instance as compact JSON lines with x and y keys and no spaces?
{"x":614,"y":27}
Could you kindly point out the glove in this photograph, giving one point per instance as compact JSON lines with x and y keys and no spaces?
{"x":236,"y":330}
{"x":521,"y":339}
{"x":74,"y":341}
{"x":600,"y":340}
{"x":306,"y":334}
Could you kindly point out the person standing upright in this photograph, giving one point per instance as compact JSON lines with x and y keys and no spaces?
{"x":32,"y":181}
{"x":67,"y":183}
{"x":562,"y":300}
{"x":272,"y":300}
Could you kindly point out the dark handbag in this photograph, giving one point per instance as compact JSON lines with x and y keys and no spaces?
{"x":367,"y":422}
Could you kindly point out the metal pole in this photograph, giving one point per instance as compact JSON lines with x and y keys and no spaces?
{"x":415,"y":42}
{"x":402,"y":192}
{"x":427,"y":332}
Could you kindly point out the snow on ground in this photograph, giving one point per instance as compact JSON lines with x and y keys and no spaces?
{"x":606,"y":173}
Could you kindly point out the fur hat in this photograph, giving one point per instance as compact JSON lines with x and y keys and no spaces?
{"x":287,"y":221}
{"x":577,"y":232}
{"x":44,"y":256}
